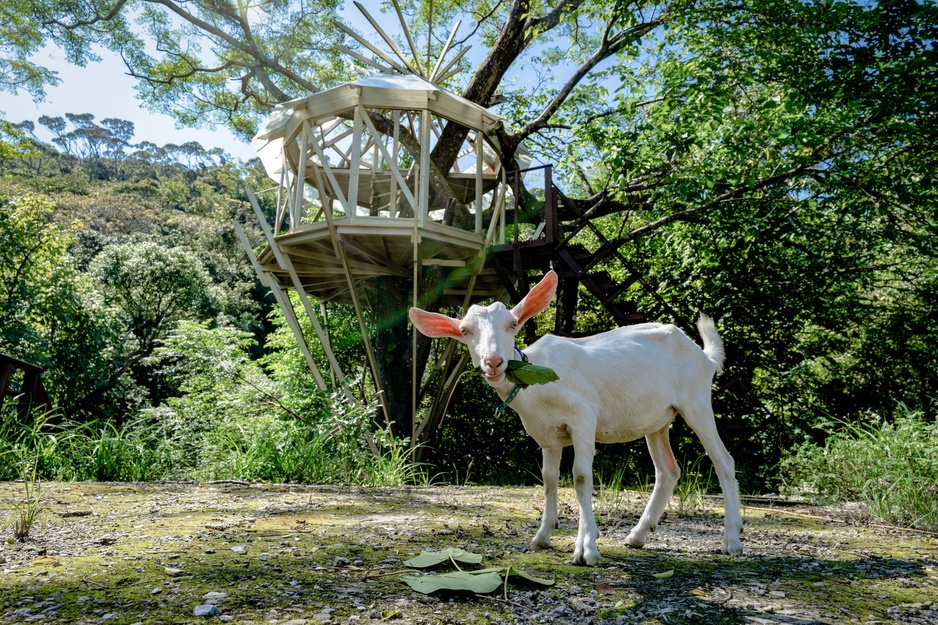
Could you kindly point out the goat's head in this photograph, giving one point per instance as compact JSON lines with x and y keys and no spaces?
{"x":489,"y":331}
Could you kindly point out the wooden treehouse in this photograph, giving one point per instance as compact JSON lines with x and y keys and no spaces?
{"x":358,"y":199}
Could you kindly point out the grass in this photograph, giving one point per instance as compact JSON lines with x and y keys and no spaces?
{"x":891,"y":467}
{"x":269,"y":448}
{"x":692,"y":487}
{"x":26,"y":512}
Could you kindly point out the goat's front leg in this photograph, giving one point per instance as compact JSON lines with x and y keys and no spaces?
{"x":550,"y":473}
{"x":584,"y":448}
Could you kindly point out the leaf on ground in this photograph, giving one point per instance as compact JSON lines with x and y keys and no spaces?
{"x":480,"y":582}
{"x":528,"y":577}
{"x":663,"y":575}
{"x":428,"y":559}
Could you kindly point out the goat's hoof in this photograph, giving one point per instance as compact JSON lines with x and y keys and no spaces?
{"x":585,"y":559}
{"x":539,"y":544}
{"x":733,"y":547}
{"x":634,"y":541}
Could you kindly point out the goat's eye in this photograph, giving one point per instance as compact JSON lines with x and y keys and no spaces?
{"x":514,"y":324}
{"x":465,"y":331}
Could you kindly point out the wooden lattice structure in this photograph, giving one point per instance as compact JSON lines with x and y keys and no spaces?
{"x":359,"y":199}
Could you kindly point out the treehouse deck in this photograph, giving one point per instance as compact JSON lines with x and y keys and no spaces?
{"x":374,"y":247}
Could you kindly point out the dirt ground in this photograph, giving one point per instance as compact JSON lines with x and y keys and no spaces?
{"x":294,"y":555}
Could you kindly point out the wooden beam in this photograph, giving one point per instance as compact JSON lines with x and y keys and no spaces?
{"x":286,"y":306}
{"x":285,"y":263}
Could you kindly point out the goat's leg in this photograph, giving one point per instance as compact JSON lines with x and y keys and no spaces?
{"x":701,"y":421}
{"x":584,"y":448}
{"x":550,"y":473}
{"x":667,"y":473}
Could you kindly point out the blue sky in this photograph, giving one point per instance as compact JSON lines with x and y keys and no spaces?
{"x":104,"y":90}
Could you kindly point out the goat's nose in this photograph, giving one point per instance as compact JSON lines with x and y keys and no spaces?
{"x":493,"y":362}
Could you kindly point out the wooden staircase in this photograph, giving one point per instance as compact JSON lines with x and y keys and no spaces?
{"x":520,"y":263}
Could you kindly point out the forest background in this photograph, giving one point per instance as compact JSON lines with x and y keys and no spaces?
{"x":770,"y":164}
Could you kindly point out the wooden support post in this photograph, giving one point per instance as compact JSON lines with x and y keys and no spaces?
{"x":424,"y":177}
{"x":480,"y":165}
{"x":286,"y":306}
{"x":285,"y":263}
{"x":355,"y":162}
{"x":297,"y":214}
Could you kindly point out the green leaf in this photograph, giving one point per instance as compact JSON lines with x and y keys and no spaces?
{"x":528,"y":577}
{"x":428,"y":559}
{"x":664,"y":574}
{"x":480,"y":582}
{"x":524,"y":374}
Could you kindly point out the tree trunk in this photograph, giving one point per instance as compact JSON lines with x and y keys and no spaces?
{"x":393,"y":346}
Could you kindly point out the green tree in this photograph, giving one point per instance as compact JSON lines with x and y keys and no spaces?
{"x":153,"y":287}
{"x":770,"y":161}
{"x":48,"y":315}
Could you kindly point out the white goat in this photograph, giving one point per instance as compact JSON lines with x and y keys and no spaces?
{"x":614,"y":387}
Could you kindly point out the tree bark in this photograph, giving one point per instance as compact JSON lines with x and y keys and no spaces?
{"x":393,"y":344}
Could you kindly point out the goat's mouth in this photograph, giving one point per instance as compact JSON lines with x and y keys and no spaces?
{"x":493,"y":376}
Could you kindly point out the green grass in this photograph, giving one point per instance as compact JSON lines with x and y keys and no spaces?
{"x":891,"y":467}
{"x":337,"y":449}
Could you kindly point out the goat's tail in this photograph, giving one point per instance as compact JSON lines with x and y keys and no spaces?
{"x":713,"y":344}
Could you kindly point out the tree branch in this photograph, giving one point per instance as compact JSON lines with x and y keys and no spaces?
{"x":97,"y":18}
{"x":250,"y":50}
{"x":609,"y":46}
{"x":733,"y":193}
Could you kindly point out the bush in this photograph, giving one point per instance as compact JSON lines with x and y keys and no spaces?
{"x":891,"y":467}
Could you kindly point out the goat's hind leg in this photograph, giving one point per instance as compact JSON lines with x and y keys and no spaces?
{"x":550,"y":473}
{"x":667,"y":473}
{"x":701,"y":421}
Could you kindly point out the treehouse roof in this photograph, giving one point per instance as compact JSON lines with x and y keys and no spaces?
{"x":378,"y":91}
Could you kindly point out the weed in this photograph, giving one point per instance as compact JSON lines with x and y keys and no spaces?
{"x":611,"y":499}
{"x":891,"y":467}
{"x":692,"y":487}
{"x":25,"y":513}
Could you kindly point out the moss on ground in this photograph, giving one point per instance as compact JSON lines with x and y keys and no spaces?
{"x":151,"y":553}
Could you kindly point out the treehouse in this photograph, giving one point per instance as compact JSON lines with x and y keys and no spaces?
{"x":360,"y":197}
{"x":391,"y":179}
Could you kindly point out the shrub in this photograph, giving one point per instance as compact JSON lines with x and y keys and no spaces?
{"x":891,"y":467}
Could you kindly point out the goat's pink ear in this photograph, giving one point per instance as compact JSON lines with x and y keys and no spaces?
{"x":435,"y":325}
{"x":537,"y":299}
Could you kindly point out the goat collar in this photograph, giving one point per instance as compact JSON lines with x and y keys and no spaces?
{"x":502,"y":407}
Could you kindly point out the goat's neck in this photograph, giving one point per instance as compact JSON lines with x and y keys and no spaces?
{"x":503,"y":388}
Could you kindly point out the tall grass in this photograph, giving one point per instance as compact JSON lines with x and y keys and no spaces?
{"x":338,"y":446}
{"x":891,"y":467}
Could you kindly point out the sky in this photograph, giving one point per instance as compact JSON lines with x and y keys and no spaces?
{"x":105,"y":90}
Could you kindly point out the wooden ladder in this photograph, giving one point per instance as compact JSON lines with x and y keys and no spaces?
{"x":515,"y":261}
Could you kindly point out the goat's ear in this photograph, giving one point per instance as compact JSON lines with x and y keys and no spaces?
{"x":435,"y":325}
{"x":537,"y":299}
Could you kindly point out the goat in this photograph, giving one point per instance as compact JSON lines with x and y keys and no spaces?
{"x":616,"y":386}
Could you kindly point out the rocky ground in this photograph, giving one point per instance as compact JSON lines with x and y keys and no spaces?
{"x":293,"y":555}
